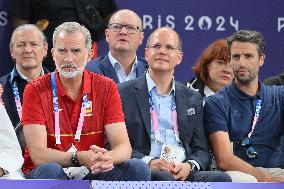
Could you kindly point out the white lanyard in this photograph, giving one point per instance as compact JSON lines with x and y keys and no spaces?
{"x":155,"y":121}
{"x":56,"y":112}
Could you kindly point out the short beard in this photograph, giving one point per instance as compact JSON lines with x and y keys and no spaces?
{"x":73,"y":74}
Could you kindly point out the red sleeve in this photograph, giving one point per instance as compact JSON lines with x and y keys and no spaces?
{"x":113,"y":109}
{"x":32,"y":107}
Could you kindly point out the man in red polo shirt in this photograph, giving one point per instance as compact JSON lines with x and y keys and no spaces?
{"x":68,"y":113}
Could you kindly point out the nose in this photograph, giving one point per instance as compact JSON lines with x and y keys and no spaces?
{"x":28,"y":48}
{"x":123,"y":30}
{"x":68,"y":57}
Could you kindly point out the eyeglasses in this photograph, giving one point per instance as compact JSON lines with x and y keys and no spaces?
{"x":245,"y":142}
{"x":131,"y":29}
{"x":167,"y":48}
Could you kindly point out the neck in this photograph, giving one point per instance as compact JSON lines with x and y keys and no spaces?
{"x":126,"y":59}
{"x":214,"y":88}
{"x":250,"y":88}
{"x":72,"y":86}
{"x":162,"y":80}
{"x":31,"y":74}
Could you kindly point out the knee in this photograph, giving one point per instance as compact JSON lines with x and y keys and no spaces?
{"x":49,"y":171}
{"x":237,"y":176}
{"x":138,"y":170}
{"x":221,"y":177}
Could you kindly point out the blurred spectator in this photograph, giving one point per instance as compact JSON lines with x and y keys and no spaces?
{"x":213,"y":70}
{"x":28,"y":47}
{"x":48,"y":14}
{"x":275,"y":80}
{"x":124,"y":35}
{"x":11,"y":159}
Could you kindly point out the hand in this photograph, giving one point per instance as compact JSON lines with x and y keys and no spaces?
{"x":181,"y":171}
{"x":161,"y":165}
{"x":1,"y":172}
{"x":101,"y":160}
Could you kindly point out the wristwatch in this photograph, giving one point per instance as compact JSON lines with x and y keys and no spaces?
{"x":74,"y":160}
{"x":193,"y":166}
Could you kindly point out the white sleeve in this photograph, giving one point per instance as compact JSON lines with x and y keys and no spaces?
{"x":11,"y":158}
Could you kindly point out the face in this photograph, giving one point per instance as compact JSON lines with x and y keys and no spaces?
{"x":220,"y":74}
{"x":70,"y":54}
{"x":123,"y":41}
{"x":245,"y":61}
{"x":163,"y":53}
{"x":28,"y":49}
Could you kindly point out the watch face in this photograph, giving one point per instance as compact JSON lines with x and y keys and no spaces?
{"x":74,"y":160}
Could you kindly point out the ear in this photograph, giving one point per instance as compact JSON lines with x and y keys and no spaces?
{"x":146,"y":51}
{"x":90,"y":54}
{"x":12,"y":53}
{"x":45,"y":48}
{"x":179,"y":58}
{"x":261,"y":60}
{"x":141,"y":38}
{"x":107,"y":35}
{"x":53,"y":53}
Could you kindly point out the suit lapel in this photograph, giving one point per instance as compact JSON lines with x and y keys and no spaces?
{"x":109,"y":70}
{"x":181,"y":110}
{"x":141,"y":96}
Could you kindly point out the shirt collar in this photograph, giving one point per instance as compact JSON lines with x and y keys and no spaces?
{"x":16,"y":73}
{"x":208,"y":91}
{"x":236,"y":91}
{"x":114,"y":62}
{"x":151,"y":84}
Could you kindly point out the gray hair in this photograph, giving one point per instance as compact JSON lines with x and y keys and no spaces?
{"x":248,"y":36}
{"x":27,"y":27}
{"x":71,"y":27}
{"x":151,"y":36}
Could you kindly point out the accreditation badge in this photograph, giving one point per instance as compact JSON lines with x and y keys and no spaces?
{"x":76,"y":173}
{"x":173,"y":153}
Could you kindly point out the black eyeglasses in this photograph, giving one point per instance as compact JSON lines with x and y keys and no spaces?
{"x":245,"y":142}
{"x":168,"y":48}
{"x":131,"y":29}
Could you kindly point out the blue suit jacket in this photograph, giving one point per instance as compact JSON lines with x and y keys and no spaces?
{"x":136,"y":107}
{"x":102,"y":65}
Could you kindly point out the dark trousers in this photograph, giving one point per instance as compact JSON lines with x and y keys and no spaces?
{"x":130,"y":170}
{"x":198,"y":176}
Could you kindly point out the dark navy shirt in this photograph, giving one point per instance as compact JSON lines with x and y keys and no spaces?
{"x":232,"y":111}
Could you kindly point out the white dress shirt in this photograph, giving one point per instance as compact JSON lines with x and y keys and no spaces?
{"x":11,"y":159}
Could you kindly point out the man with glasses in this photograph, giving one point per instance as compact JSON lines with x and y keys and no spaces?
{"x":245,"y":119}
{"x":124,"y":35}
{"x":164,"y":118}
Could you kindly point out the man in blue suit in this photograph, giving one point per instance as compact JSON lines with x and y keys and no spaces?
{"x":164,"y":118}
{"x":124,"y":35}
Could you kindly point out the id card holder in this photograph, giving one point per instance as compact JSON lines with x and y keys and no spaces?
{"x":232,"y":147}
{"x":173,"y":153}
{"x":76,"y":173}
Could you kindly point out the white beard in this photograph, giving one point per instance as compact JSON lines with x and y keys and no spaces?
{"x":70,"y":74}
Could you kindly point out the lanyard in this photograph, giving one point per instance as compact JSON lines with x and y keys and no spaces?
{"x":56,"y":112}
{"x":155,"y":121}
{"x":16,"y":95}
{"x":256,"y":115}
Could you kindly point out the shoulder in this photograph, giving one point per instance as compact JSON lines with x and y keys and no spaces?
{"x":96,"y":65}
{"x":128,"y":85}
{"x":142,"y":61}
{"x":41,"y":83}
{"x":4,"y":79}
{"x":188,"y":91}
{"x":100,"y":81}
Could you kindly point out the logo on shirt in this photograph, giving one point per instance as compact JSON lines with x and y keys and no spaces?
{"x":190,"y":111}
{"x":89,"y":109}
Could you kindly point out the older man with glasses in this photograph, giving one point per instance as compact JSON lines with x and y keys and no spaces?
{"x":124,"y":35}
